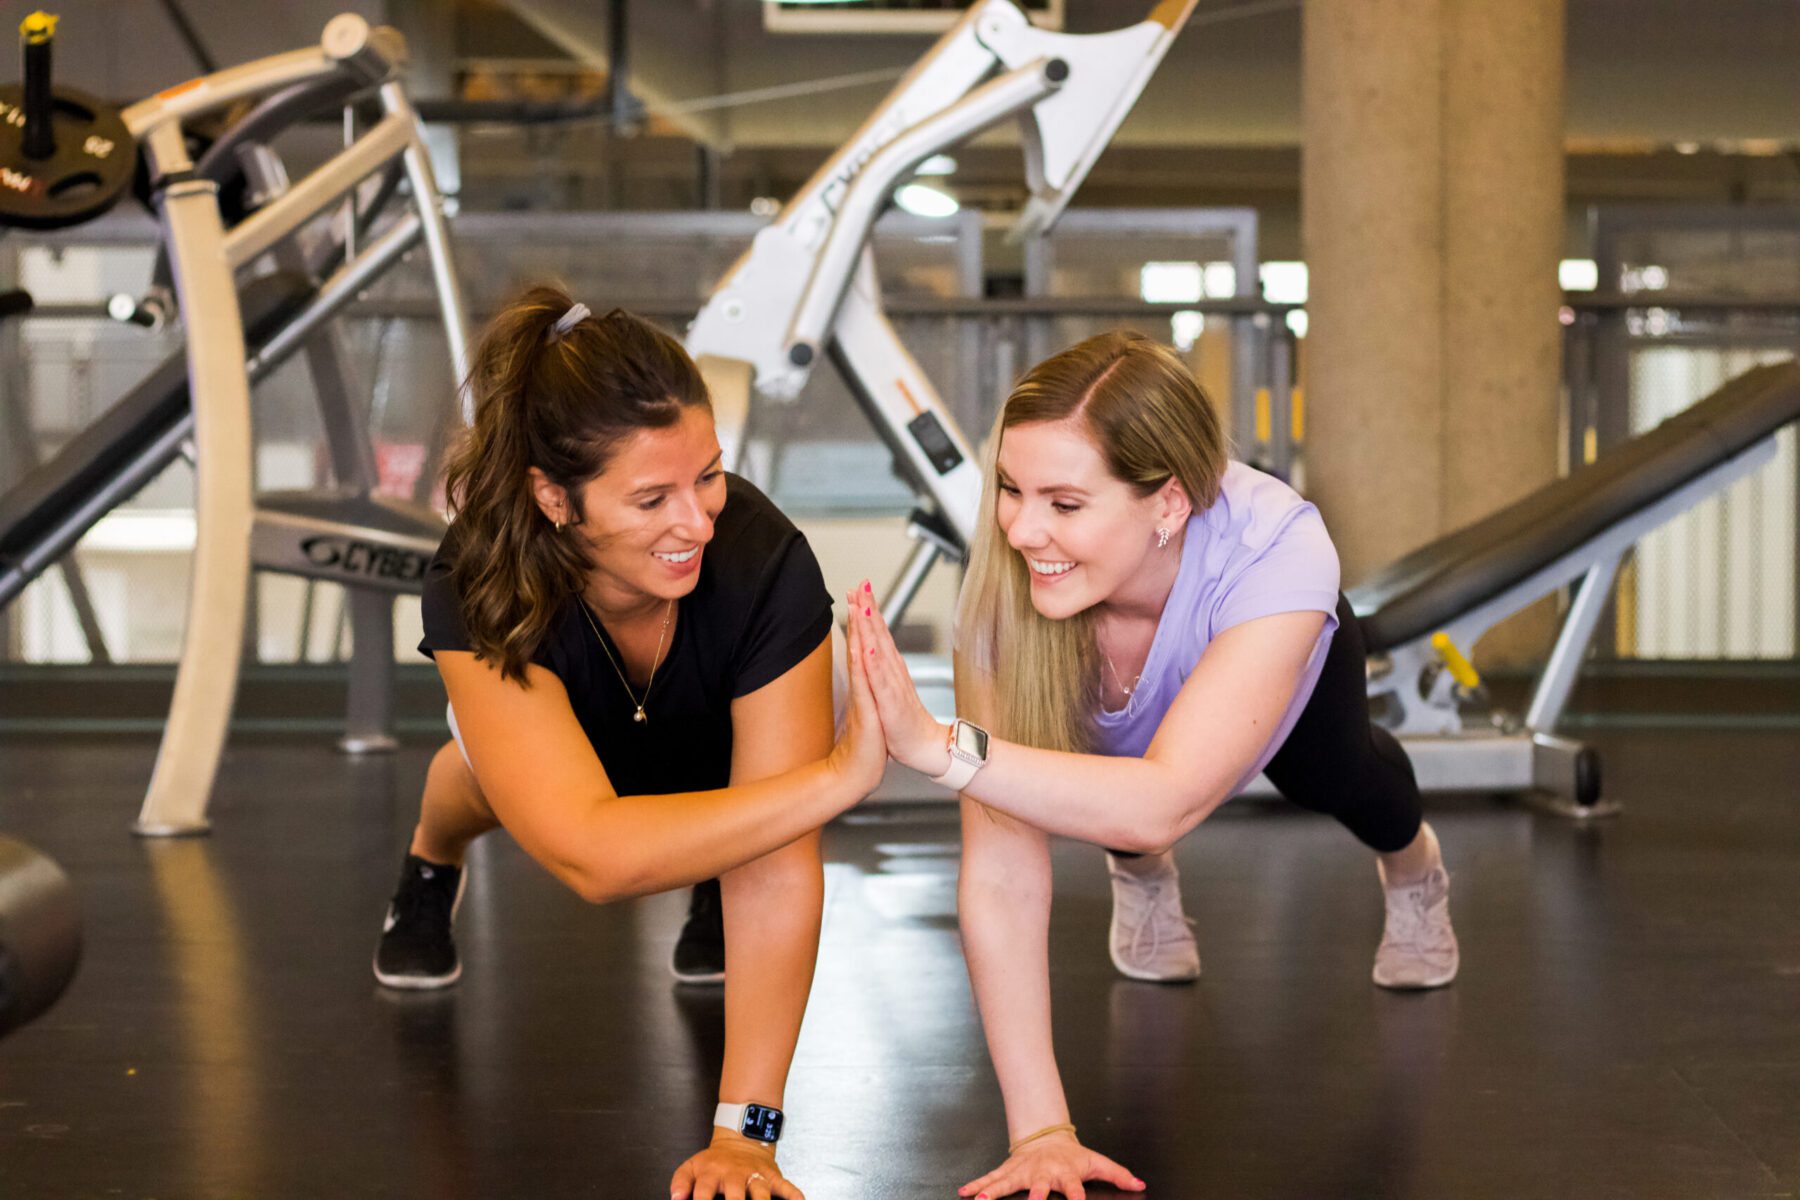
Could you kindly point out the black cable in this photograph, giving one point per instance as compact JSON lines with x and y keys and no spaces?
{"x":191,"y":36}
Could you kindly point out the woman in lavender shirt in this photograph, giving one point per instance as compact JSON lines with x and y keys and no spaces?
{"x":1145,"y":626}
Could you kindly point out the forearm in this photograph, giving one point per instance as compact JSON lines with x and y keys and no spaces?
{"x":634,"y":845}
{"x":1005,"y":926}
{"x":773,"y":909}
{"x":1124,"y":803}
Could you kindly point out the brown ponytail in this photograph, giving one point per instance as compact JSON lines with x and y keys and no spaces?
{"x":561,"y":404}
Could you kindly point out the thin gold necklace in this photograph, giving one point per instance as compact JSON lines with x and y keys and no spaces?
{"x":668,"y":611}
{"x":1135,"y":679}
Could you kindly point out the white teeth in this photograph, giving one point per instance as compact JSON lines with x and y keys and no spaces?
{"x":1050,"y":568}
{"x":677,"y":558}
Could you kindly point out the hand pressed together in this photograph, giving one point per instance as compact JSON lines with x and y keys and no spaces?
{"x":914,"y":737}
{"x":861,"y":753}
{"x":1058,"y":1163}
{"x":733,"y":1168}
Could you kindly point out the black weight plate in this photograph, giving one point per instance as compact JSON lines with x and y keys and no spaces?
{"x":90,"y":170}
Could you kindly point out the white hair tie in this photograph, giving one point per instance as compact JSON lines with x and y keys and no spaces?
{"x":578,"y":312}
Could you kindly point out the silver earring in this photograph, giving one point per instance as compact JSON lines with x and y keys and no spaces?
{"x":1162,"y":538}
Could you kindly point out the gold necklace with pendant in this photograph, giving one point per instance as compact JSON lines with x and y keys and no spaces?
{"x":668,"y":611}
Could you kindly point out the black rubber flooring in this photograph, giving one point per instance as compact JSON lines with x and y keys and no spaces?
{"x":1627,"y":1023}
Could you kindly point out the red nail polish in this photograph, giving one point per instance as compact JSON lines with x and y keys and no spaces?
{"x":868,"y":612}
{"x":867,"y":586}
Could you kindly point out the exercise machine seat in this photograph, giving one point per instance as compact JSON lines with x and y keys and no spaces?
{"x":1423,"y":591}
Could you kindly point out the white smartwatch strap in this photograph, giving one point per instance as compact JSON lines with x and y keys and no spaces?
{"x":963,"y":766}
{"x":731,"y":1116}
{"x":960,"y":772}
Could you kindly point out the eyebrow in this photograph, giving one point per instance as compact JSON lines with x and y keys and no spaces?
{"x":1068,"y":488}
{"x":652,"y":489}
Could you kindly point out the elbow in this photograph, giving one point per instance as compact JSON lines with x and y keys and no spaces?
{"x":1160,"y":828}
{"x":1144,"y":839}
{"x":604,"y":883}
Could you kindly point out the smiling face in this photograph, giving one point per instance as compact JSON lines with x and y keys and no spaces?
{"x":1085,"y":534}
{"x":647,"y":518}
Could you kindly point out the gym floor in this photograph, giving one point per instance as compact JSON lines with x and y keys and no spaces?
{"x":1627,"y":1023}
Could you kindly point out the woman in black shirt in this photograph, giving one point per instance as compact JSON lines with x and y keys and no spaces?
{"x":637,"y":652}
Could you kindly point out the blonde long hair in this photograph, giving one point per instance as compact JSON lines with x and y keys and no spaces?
{"x":1037,"y":681}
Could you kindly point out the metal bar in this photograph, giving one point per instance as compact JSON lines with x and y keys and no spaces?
{"x":896,"y":395}
{"x":148,"y":463}
{"x":1564,"y":663}
{"x":905,"y":588}
{"x":212,"y":645}
{"x":319,"y":190}
{"x":339,"y":291}
{"x":429,"y":204}
{"x":369,"y":714}
{"x":196,"y":96}
{"x":1005,"y":96}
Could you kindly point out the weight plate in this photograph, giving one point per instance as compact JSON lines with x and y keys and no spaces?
{"x":88,"y":173}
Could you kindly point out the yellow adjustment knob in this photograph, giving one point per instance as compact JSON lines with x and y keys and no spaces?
{"x":38,"y":27}
{"x":1460,"y":668}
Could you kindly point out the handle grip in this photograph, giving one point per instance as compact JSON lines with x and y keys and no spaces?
{"x":36,"y":34}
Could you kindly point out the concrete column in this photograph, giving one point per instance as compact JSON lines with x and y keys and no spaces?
{"x":1432,"y":219}
{"x":1503,"y":232}
{"x":1371,"y":218}
{"x":1503,"y":235}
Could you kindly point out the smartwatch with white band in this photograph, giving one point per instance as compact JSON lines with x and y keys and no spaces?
{"x":968,"y":754}
{"x":759,"y":1122}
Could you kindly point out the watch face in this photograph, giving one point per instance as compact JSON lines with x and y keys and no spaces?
{"x":762,"y":1123}
{"x":973,"y":739}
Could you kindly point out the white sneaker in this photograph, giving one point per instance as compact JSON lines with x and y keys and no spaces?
{"x":1418,"y":947}
{"x":1151,"y":938}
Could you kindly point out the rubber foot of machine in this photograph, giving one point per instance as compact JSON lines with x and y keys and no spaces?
{"x":171,"y":829}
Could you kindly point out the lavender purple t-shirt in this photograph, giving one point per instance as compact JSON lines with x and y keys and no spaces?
{"x":1257,"y":551}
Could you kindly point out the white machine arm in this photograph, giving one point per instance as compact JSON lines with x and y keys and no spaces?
{"x":1065,"y":134}
{"x":765,"y":324}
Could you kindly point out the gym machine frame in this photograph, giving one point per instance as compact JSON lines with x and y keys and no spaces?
{"x":204,"y":258}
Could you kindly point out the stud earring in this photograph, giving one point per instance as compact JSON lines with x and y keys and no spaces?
{"x":1162,"y":538}
{"x":559,"y":526}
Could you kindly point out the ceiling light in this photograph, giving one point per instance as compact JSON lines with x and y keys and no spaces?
{"x":923,"y":200}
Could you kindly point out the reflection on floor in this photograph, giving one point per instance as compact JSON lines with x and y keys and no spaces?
{"x":1627,"y":1024}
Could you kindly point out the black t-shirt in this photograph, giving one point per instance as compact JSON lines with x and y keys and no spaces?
{"x":759,"y":608}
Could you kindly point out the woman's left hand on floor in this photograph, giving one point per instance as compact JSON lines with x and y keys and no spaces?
{"x":1060,"y":1164}
{"x":914,"y":737}
{"x":732,"y":1168}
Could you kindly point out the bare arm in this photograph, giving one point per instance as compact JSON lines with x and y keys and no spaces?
{"x":1220,"y":722}
{"x":772,"y":910}
{"x":773,"y":904}
{"x":544,"y":782}
{"x":1003,"y":898}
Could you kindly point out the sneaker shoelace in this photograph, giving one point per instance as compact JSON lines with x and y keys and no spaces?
{"x":1409,"y":916}
{"x":1152,"y":920}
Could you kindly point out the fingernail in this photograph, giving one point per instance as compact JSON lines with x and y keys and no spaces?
{"x":871,"y":651}
{"x":868,"y":612}
{"x":867,"y":586}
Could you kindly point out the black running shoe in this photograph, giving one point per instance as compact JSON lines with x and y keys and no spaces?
{"x":416,"y":950}
{"x":700,"y":950}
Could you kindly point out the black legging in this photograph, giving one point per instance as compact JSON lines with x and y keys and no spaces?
{"x":1335,"y":762}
